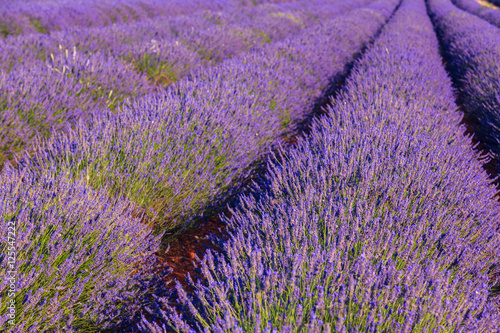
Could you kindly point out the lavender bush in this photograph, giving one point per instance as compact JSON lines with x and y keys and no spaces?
{"x":489,"y":13}
{"x":178,"y":151}
{"x":471,"y":50}
{"x":72,"y":259}
{"x":382,"y":219}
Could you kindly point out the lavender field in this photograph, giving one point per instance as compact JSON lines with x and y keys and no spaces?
{"x":249,"y":166}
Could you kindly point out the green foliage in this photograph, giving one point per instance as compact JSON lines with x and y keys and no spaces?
{"x":39,"y":27}
{"x":158,"y":71}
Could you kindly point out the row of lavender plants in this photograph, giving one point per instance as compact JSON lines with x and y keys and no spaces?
{"x":176,"y":152}
{"x":113,"y":38}
{"x":178,"y":38}
{"x":470,"y":47}
{"x":176,"y":34}
{"x":382,"y":219}
{"x":72,"y":259}
{"x":489,"y":13}
{"x":42,"y":96}
{"x":35,"y":17}
{"x":79,"y":249}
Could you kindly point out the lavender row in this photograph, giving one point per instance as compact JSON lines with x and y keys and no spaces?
{"x":72,"y":259}
{"x":170,"y":36}
{"x":471,"y":49}
{"x":43,"y":96}
{"x":382,"y":219}
{"x":205,"y":40}
{"x":33,"y":18}
{"x":178,"y":151}
{"x":486,"y":11}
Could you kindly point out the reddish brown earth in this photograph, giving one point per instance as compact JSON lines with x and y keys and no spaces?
{"x":180,"y":257}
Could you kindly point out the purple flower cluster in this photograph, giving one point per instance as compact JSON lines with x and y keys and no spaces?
{"x":74,"y":256}
{"x":470,"y":47}
{"x":37,"y":17}
{"x":47,"y":88}
{"x":382,"y":219}
{"x":180,"y":150}
{"x":490,"y":14}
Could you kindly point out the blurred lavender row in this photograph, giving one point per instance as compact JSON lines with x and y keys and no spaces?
{"x":381,"y":220}
{"x":164,"y":37}
{"x":41,"y":96}
{"x":490,"y":13}
{"x":74,"y":259}
{"x":470,"y":47}
{"x":28,"y":17}
{"x":178,"y":151}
